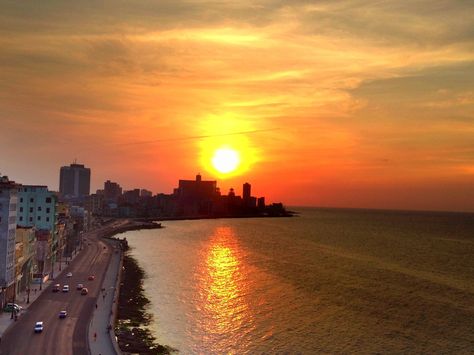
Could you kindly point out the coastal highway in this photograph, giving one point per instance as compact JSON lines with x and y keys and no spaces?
{"x":68,"y":335}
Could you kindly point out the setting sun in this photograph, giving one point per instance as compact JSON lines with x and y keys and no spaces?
{"x":225,"y":160}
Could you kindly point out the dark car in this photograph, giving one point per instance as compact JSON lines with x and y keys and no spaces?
{"x":12,"y":306}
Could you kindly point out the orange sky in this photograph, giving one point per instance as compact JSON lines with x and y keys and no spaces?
{"x":329,"y":103}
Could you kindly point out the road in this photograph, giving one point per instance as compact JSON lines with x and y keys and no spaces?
{"x":69,"y":335}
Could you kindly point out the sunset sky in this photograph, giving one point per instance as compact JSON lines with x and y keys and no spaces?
{"x":328,"y":103}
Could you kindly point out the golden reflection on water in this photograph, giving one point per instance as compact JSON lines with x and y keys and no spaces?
{"x":222,"y":288}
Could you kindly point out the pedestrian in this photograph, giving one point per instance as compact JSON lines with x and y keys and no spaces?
{"x":95,"y":336}
{"x":96,"y":306}
{"x":35,"y":291}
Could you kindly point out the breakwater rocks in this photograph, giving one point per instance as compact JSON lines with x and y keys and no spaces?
{"x":132,"y":318}
{"x":130,"y":225}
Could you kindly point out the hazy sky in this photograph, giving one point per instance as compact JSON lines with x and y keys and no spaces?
{"x":329,"y":103}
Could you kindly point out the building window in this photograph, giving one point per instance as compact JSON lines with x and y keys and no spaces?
{"x":31,"y":219}
{"x":47,"y":219}
{"x":48,"y":210}
{"x":39,"y":208}
{"x":39,"y":218}
{"x":48,"y":199}
{"x":21,"y":218}
{"x":31,"y":209}
{"x":21,"y":209}
{"x":32,"y":200}
{"x":21,"y":199}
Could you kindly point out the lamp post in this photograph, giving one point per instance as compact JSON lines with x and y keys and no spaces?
{"x":28,"y":283}
{"x":59,"y":242}
{"x":13,"y":302}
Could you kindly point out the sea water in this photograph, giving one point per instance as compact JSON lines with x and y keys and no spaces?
{"x":327,"y":281}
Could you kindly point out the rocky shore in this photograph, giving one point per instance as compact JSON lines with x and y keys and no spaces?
{"x":128,"y":225}
{"x":131,"y":327}
{"x":132,"y":317}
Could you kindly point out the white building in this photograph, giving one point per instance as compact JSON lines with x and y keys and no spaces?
{"x":8,"y":220}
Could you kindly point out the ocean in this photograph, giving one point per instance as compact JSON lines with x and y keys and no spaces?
{"x":327,"y":281}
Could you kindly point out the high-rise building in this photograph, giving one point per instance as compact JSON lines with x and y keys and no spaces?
{"x":246,"y":191}
{"x":8,"y":207}
{"x":74,"y":181}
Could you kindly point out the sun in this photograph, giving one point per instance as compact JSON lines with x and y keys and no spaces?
{"x":226,"y":160}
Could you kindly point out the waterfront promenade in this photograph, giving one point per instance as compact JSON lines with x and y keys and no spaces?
{"x":94,"y":321}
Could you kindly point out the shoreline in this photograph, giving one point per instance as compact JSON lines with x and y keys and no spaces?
{"x":132,"y":318}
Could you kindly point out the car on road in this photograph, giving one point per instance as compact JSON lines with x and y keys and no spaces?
{"x":57,"y":288}
{"x":38,"y":327}
{"x":84,"y":291}
{"x":62,"y":314}
{"x":91,"y":277}
{"x":12,"y":306}
{"x":69,"y":274}
{"x":79,"y":286}
{"x":66,"y":288}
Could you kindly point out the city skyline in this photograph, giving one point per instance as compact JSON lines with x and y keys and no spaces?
{"x":361,"y":104}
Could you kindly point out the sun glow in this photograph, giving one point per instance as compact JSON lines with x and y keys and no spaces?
{"x":226,"y":160}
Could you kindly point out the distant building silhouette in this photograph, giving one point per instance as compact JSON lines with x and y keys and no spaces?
{"x":145,"y":193}
{"x":248,"y":201}
{"x":246,"y":188}
{"x":195,"y":197}
{"x":112,"y":191}
{"x":74,"y":182}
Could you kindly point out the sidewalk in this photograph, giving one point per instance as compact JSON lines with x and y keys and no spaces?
{"x":101,"y":340}
{"x":22,"y":297}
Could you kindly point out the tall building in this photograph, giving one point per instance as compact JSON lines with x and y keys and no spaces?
{"x":197,"y":189}
{"x":8,"y":207}
{"x":74,"y":181}
{"x":112,"y":191}
{"x":195,"y":197}
{"x":246,"y":191}
{"x":248,"y":200}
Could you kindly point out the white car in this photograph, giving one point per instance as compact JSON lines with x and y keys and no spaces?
{"x":69,"y":274}
{"x":38,"y":327}
{"x":66,"y":288}
{"x":62,"y":314}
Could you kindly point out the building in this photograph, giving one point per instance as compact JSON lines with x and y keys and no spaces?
{"x":249,"y":201}
{"x":145,"y":193}
{"x":8,"y":211}
{"x":25,"y":250}
{"x":196,"y":189}
{"x":74,"y":182}
{"x":131,"y":196}
{"x":112,"y":191}
{"x":95,"y":204}
{"x":36,"y":207}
